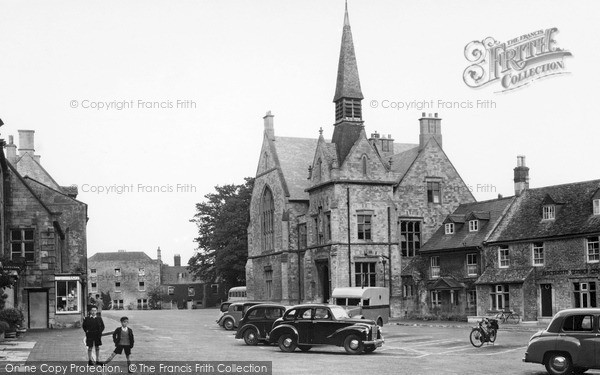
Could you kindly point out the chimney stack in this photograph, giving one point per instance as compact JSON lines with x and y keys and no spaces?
{"x":26,"y":142}
{"x":269,"y":127}
{"x":11,"y":150}
{"x":158,"y":257}
{"x":431,"y":127}
{"x":521,"y":176}
{"x":177,"y":260}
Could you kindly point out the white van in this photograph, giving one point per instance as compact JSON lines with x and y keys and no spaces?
{"x":368,"y":302}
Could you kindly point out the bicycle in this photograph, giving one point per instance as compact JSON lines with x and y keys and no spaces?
{"x":480,"y":334}
{"x":508,"y":316}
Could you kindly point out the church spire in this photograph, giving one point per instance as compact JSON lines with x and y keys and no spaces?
{"x":347,"y":92}
{"x":348,"y":96}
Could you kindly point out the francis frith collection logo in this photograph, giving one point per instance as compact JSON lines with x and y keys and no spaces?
{"x":514,"y":63}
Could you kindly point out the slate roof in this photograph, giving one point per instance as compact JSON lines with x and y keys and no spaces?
{"x":402,"y":161}
{"x":120,"y":256}
{"x":295,"y":156}
{"x":462,"y":238}
{"x":504,"y":275}
{"x":443,"y":283}
{"x":574,"y":213}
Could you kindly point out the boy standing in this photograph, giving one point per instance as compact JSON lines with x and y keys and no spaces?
{"x":123,"y":338}
{"x":93,"y":327}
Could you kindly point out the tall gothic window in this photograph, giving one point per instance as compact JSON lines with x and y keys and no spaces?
{"x":364,"y":165}
{"x":317,"y":170}
{"x":267,"y":211}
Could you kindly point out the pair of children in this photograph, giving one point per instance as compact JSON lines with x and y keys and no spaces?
{"x":122,"y":337}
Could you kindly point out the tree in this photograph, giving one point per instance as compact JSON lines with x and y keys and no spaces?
{"x":155,"y":297}
{"x":222,"y":222}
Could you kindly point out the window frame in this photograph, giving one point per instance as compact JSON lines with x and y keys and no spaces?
{"x":536,"y":246}
{"x":434,"y":190}
{"x":364,"y":229}
{"x":473,"y":225}
{"x":505,"y":258}
{"x":592,"y":248}
{"x":22,"y":242}
{"x":472,"y":265}
{"x":449,"y":228}
{"x":434,"y":267}
{"x":500,"y":295}
{"x":268,"y":284}
{"x":366,"y":271}
{"x":410,"y":238}
{"x":596,"y":206}
{"x":436,"y":301}
{"x":549,"y":212}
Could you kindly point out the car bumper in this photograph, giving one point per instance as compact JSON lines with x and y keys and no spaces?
{"x":378,"y":343}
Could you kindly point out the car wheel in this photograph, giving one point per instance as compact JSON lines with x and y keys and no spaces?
{"x":370,"y":348}
{"x":287,"y":342}
{"x":304,"y":348}
{"x":228,"y":324}
{"x":559,"y":364}
{"x":380,"y":322}
{"x":353,"y":344}
{"x":250,"y":336}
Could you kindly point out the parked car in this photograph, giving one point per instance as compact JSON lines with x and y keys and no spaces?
{"x":258,"y":321}
{"x":569,"y":344}
{"x":305,"y":326}
{"x":230,"y":319}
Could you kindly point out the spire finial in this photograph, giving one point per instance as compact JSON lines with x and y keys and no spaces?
{"x":321,"y":131}
{"x":346,"y":19}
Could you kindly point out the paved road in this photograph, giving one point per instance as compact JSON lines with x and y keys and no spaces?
{"x":193,"y":335}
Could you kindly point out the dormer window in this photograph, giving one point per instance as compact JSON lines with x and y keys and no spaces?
{"x":473,"y":225}
{"x":596,"y":206}
{"x":549,"y":212}
{"x":449,"y":228}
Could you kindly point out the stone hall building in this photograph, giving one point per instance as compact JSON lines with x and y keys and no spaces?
{"x":352,"y":210}
{"x":43,"y":235}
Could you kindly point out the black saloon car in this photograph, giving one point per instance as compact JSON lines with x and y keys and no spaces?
{"x":305,"y":326}
{"x":258,"y":321}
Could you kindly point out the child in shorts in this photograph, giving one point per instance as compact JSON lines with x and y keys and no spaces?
{"x":93,"y":327}
{"x":123,"y":338}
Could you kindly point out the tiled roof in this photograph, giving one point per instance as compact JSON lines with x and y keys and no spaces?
{"x":504,"y":275}
{"x":122,"y":256}
{"x":462,"y":238}
{"x":295,"y":156}
{"x":445,"y":283}
{"x":574,"y":213}
{"x":402,"y":161}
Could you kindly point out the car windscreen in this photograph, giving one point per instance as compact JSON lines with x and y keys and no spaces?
{"x":339,"y":313}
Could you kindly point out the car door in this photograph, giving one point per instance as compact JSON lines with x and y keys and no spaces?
{"x":580,"y":328}
{"x":304,"y":325}
{"x":323,"y":326}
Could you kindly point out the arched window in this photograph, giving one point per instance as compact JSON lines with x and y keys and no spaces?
{"x":364,"y":165}
{"x":267,"y":209}
{"x":266,"y":161}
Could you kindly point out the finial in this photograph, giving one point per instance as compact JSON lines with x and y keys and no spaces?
{"x":321,"y":131}
{"x":346,"y":19}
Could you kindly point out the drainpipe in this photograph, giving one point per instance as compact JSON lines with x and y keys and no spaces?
{"x":299,"y":271}
{"x":349,"y":247}
{"x":389,"y":217}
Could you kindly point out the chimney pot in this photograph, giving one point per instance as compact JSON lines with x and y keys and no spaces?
{"x":423,"y":114}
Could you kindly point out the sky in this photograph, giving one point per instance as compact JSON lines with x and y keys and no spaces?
{"x":146,"y":106}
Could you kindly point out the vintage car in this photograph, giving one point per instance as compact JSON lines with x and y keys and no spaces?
{"x":258,"y":321}
{"x":230,"y":318}
{"x":569,"y":344}
{"x":305,"y":326}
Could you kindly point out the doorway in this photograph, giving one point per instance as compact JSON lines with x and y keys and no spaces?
{"x":38,"y":309}
{"x":546,"y":299}
{"x":324,"y":279}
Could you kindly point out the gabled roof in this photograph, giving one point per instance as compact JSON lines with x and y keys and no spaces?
{"x":120,"y":256}
{"x":478,"y":215}
{"x":402,"y":161}
{"x":574,"y":215}
{"x":29,"y":167}
{"x":444,"y":283}
{"x":462,"y":237}
{"x":455,"y":218}
{"x":295,"y":156}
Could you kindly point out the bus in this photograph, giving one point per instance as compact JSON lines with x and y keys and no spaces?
{"x":237,"y":293}
{"x":369,"y":302}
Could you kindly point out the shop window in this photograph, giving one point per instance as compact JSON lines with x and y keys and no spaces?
{"x":364,"y":274}
{"x":67,"y":296}
{"x":500,"y":297}
{"x":584,"y":294}
{"x":410,"y":237}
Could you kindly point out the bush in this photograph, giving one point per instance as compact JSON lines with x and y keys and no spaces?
{"x":4,"y":326}
{"x":14,"y":317}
